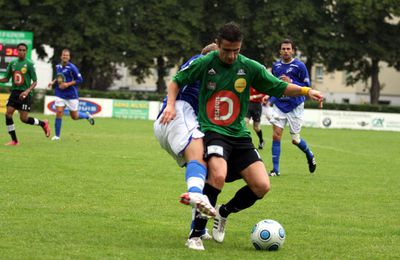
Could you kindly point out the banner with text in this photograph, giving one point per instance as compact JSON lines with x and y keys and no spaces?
{"x":131,"y":109}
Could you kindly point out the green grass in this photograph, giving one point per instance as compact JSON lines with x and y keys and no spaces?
{"x":110,"y":192}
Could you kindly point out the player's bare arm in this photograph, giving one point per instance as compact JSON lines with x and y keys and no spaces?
{"x":169,"y":111}
{"x":25,"y":93}
{"x":295,"y":90}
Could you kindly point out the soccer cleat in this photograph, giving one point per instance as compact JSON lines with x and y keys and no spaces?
{"x":204,"y":234}
{"x":312,"y":164}
{"x":219,"y":227}
{"x":12,"y":143}
{"x":195,"y":243}
{"x":90,"y":118}
{"x":261,"y":145}
{"x":55,"y":138}
{"x":200,"y":202}
{"x":46,"y":128}
{"x":274,"y":173}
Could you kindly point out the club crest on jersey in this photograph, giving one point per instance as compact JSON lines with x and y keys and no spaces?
{"x":289,"y":70}
{"x":211,"y":72}
{"x":241,"y":72}
{"x":240,"y":85}
{"x":24,"y":70}
{"x":211,"y":85}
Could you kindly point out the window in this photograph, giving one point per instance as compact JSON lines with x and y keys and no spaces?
{"x":319,"y":73}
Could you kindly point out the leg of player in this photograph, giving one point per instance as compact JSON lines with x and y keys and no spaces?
{"x":195,"y":176}
{"x":257,"y":186}
{"x":76,"y":115}
{"x":257,"y":129}
{"x":276,"y":149}
{"x":11,"y":127}
{"x":58,"y":122}
{"x":217,"y":168}
{"x":301,"y":143}
{"x":23,"y":115}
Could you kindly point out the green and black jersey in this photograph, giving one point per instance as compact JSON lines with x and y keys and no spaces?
{"x":22,"y":73}
{"x":225,"y":91}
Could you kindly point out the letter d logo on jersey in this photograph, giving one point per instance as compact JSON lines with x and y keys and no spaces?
{"x":223,"y":108}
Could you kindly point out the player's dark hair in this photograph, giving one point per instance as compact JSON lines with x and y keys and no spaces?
{"x":287,"y":41}
{"x":230,"y":32}
{"x":22,"y":44}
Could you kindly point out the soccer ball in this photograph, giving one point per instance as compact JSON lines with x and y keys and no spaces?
{"x":268,"y":235}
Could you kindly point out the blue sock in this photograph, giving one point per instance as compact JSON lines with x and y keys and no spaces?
{"x":57,"y":126}
{"x":83,"y":115}
{"x":195,"y":176}
{"x":276,"y":153}
{"x":303,"y":146}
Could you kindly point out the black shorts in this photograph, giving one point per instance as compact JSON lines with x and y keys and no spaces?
{"x":238,"y":152}
{"x":254,"y":111}
{"x":15,"y":102}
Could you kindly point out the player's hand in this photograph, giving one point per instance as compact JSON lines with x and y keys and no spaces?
{"x":168,"y":115}
{"x":23,"y":95}
{"x":285,"y":78}
{"x":316,"y":95}
{"x":63,"y":85}
{"x":265,"y":99}
{"x":50,"y":85}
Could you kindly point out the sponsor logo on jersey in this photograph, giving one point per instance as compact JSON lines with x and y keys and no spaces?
{"x":241,"y":72}
{"x":211,"y":72}
{"x":18,"y":78}
{"x":223,"y":108}
{"x":240,"y":85}
{"x":84,"y":106}
{"x":60,"y":78}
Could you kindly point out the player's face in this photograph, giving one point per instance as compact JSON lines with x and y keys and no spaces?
{"x":286,"y":51}
{"x":21,"y":52}
{"x":229,"y":51}
{"x":65,"y":57}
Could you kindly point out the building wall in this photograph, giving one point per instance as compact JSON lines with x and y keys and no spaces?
{"x":333,"y":85}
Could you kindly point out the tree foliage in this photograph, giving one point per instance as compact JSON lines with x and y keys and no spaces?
{"x":154,"y":36}
{"x":365,"y":33}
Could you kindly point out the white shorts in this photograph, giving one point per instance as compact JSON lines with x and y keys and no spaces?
{"x":72,"y":104}
{"x":175,"y":136}
{"x":294,"y":118}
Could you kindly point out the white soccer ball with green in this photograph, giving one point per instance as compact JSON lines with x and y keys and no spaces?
{"x":268,"y":235}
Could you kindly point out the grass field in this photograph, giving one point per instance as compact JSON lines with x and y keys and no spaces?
{"x":110,"y":192}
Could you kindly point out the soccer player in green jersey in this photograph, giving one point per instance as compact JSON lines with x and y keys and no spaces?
{"x":226,"y":77}
{"x":24,"y":81}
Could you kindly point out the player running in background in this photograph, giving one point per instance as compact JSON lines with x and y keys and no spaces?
{"x":289,"y":110}
{"x":67,"y":80}
{"x":183,"y":140}
{"x":254,"y":112}
{"x":225,"y":78}
{"x":24,"y":81}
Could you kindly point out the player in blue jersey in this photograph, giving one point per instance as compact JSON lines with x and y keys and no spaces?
{"x":289,"y":110}
{"x":66,"y":83}
{"x":182,"y":139}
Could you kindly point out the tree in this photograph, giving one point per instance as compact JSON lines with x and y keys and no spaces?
{"x":94,"y":31}
{"x":167,"y":32}
{"x":366,"y":33}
